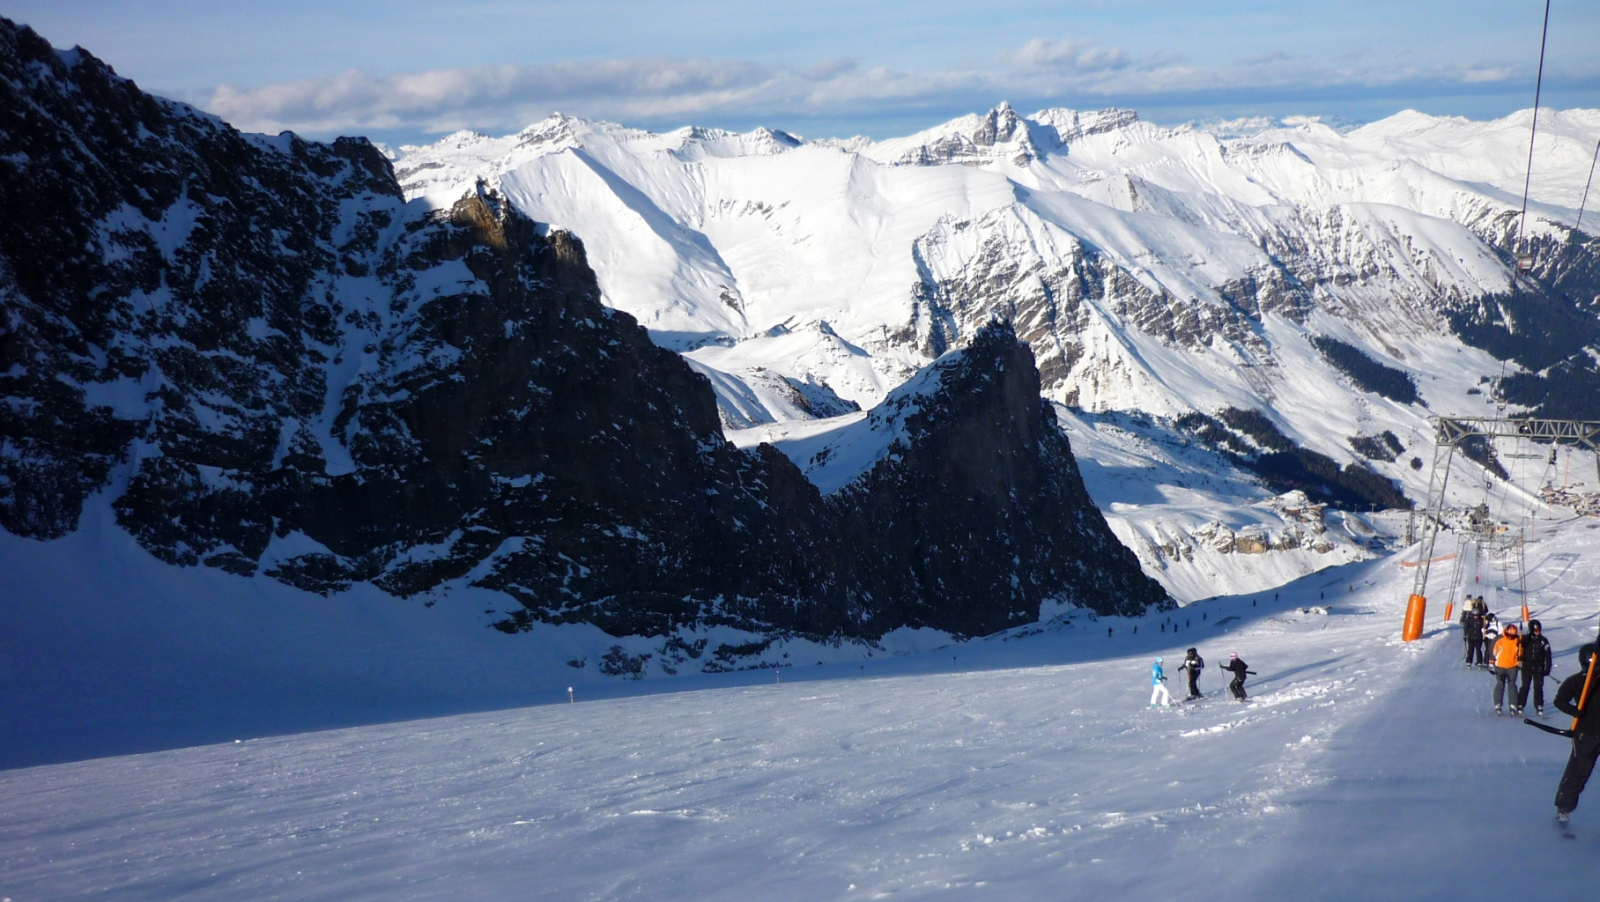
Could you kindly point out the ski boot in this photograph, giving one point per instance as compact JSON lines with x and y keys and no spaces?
{"x":1516,"y":710}
{"x":1497,"y":711}
{"x":1539,"y":711}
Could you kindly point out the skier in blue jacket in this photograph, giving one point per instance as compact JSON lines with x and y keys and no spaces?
{"x":1158,"y":692}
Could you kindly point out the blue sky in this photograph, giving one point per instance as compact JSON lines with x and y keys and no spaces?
{"x":405,"y":71}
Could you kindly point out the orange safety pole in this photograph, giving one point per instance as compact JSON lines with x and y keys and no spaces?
{"x":1587,"y":682}
{"x":1449,"y":608}
{"x":1416,"y":609}
{"x":1525,"y":615}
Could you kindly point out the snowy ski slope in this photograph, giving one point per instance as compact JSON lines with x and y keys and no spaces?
{"x":1020,"y":767}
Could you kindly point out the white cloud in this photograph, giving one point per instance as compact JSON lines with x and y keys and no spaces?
{"x":444,"y":98}
{"x":1071,"y":70}
{"x":1068,"y":54}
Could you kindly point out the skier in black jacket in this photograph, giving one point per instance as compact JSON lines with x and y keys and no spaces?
{"x":1238,"y":668}
{"x":1192,"y":665}
{"x":1585,"y":739}
{"x":1472,"y":632}
{"x":1535,"y":667}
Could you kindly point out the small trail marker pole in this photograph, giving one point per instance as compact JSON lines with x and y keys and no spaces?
{"x":778,"y":672}
{"x":570,"y":699}
{"x":1583,"y":699}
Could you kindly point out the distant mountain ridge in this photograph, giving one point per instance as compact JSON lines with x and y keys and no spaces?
{"x":1339,"y":284}
{"x":279,"y":366}
{"x":1150,"y":268}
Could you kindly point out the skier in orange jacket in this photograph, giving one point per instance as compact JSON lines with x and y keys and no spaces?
{"x":1507,"y":663}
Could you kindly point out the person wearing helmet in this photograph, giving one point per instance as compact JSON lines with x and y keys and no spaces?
{"x":1192,"y":665}
{"x":1535,"y":667}
{"x":1507,"y":662}
{"x":1585,"y":735}
{"x":1158,"y":692}
{"x":1472,"y":632}
{"x":1239,"y":669}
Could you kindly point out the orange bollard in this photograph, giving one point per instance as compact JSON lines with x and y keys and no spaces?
{"x":1416,"y":609}
{"x":1449,"y":608}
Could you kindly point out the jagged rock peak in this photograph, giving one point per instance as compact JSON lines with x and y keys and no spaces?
{"x":1072,"y":125}
{"x":1000,"y":134}
{"x":1000,"y":125}
{"x":321,"y":383}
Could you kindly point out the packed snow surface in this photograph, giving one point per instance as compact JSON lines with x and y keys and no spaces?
{"x":1023,"y":766}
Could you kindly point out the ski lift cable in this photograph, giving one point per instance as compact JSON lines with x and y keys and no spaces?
{"x":1457,"y":573}
{"x":1533,"y":129}
{"x":1524,"y":259}
{"x":1502,"y":508}
{"x":1585,"y":202}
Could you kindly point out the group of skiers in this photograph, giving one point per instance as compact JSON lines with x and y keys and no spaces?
{"x":1511,"y":655}
{"x":1519,"y":662}
{"x":1192,"y":665}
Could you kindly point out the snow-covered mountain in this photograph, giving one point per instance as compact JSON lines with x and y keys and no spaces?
{"x":270,"y":363}
{"x":1278,"y":267}
{"x":1151,"y":268}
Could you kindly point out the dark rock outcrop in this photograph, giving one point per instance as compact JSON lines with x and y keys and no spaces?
{"x":982,"y":499}
{"x":284,"y":368}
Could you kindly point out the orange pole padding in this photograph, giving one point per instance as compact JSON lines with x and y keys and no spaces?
{"x":1449,"y":608}
{"x":1584,"y":698}
{"x":1416,"y":609}
{"x":1525,"y":615}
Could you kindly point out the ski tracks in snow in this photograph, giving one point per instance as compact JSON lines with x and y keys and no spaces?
{"x":1361,"y":768}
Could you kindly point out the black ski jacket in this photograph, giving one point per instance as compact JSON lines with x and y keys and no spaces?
{"x":1237,"y":666}
{"x":1567,"y":702}
{"x":1471,"y":625}
{"x":1536,"y":655}
{"x":1193,"y":665}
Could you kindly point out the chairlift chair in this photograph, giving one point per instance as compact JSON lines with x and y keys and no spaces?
{"x":1524,"y":263}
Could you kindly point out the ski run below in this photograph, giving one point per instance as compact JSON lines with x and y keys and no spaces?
{"x":1022,"y":766}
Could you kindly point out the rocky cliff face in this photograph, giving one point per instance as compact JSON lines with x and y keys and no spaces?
{"x":280,"y":367}
{"x":981,"y":497}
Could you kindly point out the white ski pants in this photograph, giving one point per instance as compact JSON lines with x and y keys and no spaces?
{"x":1160,"y":695}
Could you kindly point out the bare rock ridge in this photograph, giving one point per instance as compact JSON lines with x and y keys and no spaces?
{"x":276,"y":366}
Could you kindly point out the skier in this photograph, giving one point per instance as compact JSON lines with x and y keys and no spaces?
{"x":1507,"y":661}
{"x":1158,"y":691}
{"x":1585,"y":736}
{"x":1239,"y":669}
{"x":1472,"y":632}
{"x":1192,"y":665}
{"x":1535,"y":666}
{"x":1491,"y":635}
